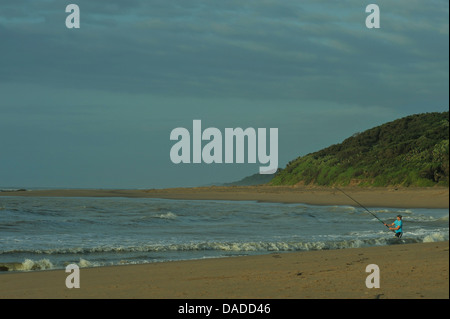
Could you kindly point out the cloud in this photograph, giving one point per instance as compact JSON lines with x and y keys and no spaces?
{"x":139,"y":68}
{"x":227,"y":48}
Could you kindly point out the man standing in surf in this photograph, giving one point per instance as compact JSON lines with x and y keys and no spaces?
{"x":397,"y":226}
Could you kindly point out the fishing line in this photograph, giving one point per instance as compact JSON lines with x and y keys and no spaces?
{"x":363,"y":207}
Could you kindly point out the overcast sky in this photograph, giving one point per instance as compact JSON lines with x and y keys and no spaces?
{"x":94,"y":107}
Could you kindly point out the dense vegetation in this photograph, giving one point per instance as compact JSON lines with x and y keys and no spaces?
{"x":412,"y":151}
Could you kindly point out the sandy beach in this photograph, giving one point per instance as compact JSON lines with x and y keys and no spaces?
{"x":435,"y":197}
{"x":412,"y":271}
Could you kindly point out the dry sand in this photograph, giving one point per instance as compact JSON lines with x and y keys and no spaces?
{"x":434,"y":197}
{"x":406,"y":271}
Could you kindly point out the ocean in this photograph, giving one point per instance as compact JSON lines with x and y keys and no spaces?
{"x":39,"y":233}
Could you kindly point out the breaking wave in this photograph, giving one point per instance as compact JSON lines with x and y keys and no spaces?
{"x":257,"y":246}
{"x":42,"y":264}
{"x":230,"y":247}
{"x":27,"y":265}
{"x":168,"y":215}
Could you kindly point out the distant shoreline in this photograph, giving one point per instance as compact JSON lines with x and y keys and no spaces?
{"x":433,"y":197}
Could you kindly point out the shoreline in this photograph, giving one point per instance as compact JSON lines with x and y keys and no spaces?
{"x":395,"y":197}
{"x":407,"y":271}
{"x":411,"y":271}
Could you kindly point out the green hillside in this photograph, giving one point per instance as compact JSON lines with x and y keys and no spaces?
{"x":411,"y":151}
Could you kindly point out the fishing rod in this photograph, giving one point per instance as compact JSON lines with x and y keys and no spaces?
{"x":363,"y":207}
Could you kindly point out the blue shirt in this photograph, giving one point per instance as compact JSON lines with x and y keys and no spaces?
{"x":398,"y":223}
